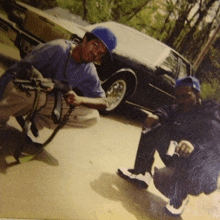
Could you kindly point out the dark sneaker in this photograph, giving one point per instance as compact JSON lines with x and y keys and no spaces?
{"x":176,"y":208}
{"x":139,"y":180}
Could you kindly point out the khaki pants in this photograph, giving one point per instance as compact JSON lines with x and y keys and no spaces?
{"x":18,"y":103}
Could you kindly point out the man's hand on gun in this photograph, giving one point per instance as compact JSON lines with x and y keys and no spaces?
{"x":72,"y":98}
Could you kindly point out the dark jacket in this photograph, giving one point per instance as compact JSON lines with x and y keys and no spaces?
{"x":200,"y":126}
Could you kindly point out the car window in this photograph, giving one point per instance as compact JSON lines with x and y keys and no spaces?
{"x":170,"y":64}
{"x":183,"y":70}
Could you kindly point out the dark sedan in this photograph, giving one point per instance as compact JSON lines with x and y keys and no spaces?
{"x":142,"y":73}
{"x":144,"y":70}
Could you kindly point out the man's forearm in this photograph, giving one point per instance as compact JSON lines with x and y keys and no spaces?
{"x":99,"y":103}
{"x":96,"y":103}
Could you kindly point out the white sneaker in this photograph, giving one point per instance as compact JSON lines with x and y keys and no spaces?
{"x":138,"y":179}
{"x":175,"y":209}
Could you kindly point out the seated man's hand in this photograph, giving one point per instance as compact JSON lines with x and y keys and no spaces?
{"x":151,"y":121}
{"x":184,"y":148}
{"x":72,"y":98}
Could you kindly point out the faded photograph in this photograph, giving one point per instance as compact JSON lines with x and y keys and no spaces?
{"x":109,"y":110}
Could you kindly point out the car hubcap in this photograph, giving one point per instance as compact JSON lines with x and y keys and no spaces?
{"x":115,"y":94}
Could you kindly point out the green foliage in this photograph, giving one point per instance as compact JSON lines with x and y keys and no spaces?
{"x":67,"y":3}
{"x":104,"y":10}
{"x":209,"y":68}
{"x":211,"y":90}
{"x":215,"y":57}
{"x":209,"y":72}
{"x":42,"y":4}
{"x":99,"y":11}
{"x":74,"y":6}
{"x":165,"y":20}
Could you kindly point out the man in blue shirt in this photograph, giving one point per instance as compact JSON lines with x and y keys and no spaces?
{"x":62,"y":60}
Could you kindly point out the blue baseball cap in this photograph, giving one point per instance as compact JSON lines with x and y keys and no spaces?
{"x":189,"y":81}
{"x":107,"y":37}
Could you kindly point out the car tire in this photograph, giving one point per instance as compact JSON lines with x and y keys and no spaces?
{"x":116,"y":90}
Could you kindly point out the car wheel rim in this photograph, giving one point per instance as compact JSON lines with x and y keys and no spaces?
{"x":115,"y":94}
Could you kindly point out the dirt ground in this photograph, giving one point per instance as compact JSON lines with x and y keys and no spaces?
{"x":75,"y":177}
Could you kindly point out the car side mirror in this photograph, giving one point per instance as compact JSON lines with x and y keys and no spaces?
{"x":160,"y":71}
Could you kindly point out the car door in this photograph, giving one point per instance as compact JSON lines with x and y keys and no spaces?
{"x":165,"y":79}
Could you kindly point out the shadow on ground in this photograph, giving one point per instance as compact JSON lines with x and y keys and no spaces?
{"x":7,"y":61}
{"x":140,"y":203}
{"x":10,"y":140}
{"x":128,"y":114}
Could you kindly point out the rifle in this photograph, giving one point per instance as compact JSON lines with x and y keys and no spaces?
{"x":38,"y":85}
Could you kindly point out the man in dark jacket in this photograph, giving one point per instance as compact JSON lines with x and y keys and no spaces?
{"x":191,"y":127}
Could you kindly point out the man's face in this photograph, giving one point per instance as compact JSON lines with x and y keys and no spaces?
{"x":92,"y":51}
{"x":186,"y":98}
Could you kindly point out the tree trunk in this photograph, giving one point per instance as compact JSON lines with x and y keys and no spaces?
{"x":179,"y":25}
{"x":200,"y":55}
{"x":136,"y":10}
{"x":85,"y":10}
{"x":188,"y":40}
{"x":167,"y":19}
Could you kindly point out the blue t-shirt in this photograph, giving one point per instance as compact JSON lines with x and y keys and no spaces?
{"x":51,"y":60}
